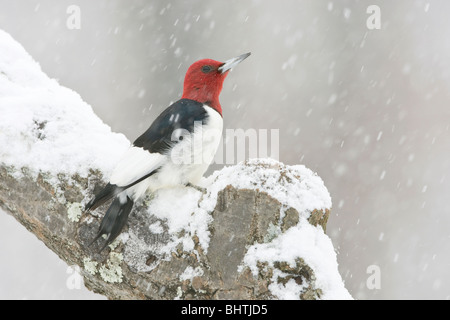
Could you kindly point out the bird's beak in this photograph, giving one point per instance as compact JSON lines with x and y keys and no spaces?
{"x":229,"y":64}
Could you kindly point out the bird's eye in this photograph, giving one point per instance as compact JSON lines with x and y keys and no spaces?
{"x":206,"y":69}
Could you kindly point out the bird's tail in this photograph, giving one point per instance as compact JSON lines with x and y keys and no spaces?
{"x":107,"y":193}
{"x":115,"y":218}
{"x":117,"y":214}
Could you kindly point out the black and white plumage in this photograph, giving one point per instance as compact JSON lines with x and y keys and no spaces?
{"x":164,"y":155}
{"x":176,"y":149}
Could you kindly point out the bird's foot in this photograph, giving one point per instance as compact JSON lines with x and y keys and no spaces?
{"x":202,"y":190}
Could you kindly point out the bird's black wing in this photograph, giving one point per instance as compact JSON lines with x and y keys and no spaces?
{"x":137,"y":165}
{"x":183,"y":114}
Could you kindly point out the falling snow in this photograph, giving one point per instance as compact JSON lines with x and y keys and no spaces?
{"x":366,"y":109}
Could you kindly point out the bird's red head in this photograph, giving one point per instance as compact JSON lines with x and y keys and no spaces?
{"x":204,"y":80}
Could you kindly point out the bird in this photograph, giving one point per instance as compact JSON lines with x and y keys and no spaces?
{"x":176,"y":149}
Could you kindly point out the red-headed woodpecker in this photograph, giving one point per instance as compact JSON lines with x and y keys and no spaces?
{"x":176,"y":149}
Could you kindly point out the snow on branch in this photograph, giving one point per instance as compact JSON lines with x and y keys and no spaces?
{"x":258,"y":232}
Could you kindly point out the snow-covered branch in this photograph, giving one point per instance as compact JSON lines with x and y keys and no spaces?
{"x":256,"y":233}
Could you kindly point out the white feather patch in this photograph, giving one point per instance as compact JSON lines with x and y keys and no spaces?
{"x":186,"y":162}
{"x":135,"y":164}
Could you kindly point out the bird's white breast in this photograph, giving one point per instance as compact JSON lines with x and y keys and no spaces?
{"x":189,"y":159}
